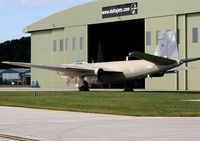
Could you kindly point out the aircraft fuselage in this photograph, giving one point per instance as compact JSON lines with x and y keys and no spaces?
{"x":136,"y":69}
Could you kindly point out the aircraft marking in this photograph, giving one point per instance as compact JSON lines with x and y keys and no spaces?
{"x":16,"y":138}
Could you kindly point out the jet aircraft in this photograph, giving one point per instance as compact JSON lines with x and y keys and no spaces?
{"x":164,"y":60}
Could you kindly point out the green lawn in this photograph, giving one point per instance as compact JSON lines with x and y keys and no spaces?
{"x":119,"y":103}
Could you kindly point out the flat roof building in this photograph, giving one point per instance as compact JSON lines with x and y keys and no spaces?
{"x":107,"y":30}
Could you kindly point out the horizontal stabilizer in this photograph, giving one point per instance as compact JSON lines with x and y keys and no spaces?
{"x":189,"y":60}
{"x":174,"y":70}
{"x":152,"y":58}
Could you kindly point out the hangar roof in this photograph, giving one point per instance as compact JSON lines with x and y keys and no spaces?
{"x":91,"y":13}
{"x":15,"y":70}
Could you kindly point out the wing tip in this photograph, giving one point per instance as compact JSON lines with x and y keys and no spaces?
{"x":5,"y":62}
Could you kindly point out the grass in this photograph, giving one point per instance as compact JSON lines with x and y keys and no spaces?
{"x":119,"y":103}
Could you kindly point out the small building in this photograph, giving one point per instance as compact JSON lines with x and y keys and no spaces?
{"x":16,"y":75}
{"x":1,"y":79}
{"x":26,"y":77}
{"x":10,"y":74}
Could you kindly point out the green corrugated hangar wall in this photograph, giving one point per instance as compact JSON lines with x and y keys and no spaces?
{"x":63,"y":38}
{"x":43,"y":53}
{"x":185,"y":26}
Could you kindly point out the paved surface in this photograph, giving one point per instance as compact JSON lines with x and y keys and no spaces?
{"x":35,"y":89}
{"x":47,"y":125}
{"x":11,"y":89}
{"x":50,"y":89}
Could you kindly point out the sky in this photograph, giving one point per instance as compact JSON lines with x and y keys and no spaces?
{"x":17,"y":14}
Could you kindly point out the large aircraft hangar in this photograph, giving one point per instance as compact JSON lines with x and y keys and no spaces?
{"x":108,"y":30}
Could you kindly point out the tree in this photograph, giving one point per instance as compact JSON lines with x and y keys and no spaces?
{"x":15,"y":50}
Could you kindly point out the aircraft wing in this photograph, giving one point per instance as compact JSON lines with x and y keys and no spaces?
{"x":67,"y":69}
{"x":174,"y":70}
{"x":189,"y":60}
{"x":152,"y":58}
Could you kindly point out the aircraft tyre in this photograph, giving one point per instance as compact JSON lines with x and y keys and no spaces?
{"x":128,"y":87}
{"x":84,"y":87}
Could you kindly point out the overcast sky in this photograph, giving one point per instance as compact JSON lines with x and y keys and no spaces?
{"x":17,"y":14}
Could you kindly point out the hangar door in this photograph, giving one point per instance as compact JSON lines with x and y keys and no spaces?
{"x":155,"y":27}
{"x":114,"y":41}
{"x":193,"y":50}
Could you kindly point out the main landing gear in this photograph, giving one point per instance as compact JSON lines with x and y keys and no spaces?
{"x":84,"y":87}
{"x":129,"y":86}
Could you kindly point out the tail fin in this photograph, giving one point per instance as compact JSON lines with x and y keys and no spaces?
{"x":167,"y":46}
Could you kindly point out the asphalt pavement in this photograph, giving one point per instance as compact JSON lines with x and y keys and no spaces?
{"x":48,"y":125}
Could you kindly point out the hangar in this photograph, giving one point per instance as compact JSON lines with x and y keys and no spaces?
{"x":107,"y":30}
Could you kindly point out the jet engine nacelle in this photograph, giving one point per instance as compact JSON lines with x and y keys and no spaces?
{"x":93,"y":79}
{"x":99,"y":72}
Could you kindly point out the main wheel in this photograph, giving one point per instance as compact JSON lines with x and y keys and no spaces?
{"x":128,"y":87}
{"x":84,"y":87}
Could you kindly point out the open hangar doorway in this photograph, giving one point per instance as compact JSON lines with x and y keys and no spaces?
{"x":114,"y":41}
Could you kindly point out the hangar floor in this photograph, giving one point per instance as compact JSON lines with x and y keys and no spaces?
{"x":47,"y":125}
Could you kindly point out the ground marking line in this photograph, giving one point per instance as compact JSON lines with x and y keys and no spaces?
{"x":16,"y":138}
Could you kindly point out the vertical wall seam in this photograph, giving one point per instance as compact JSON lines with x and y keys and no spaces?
{"x":186,"y":52}
{"x":176,"y":29}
